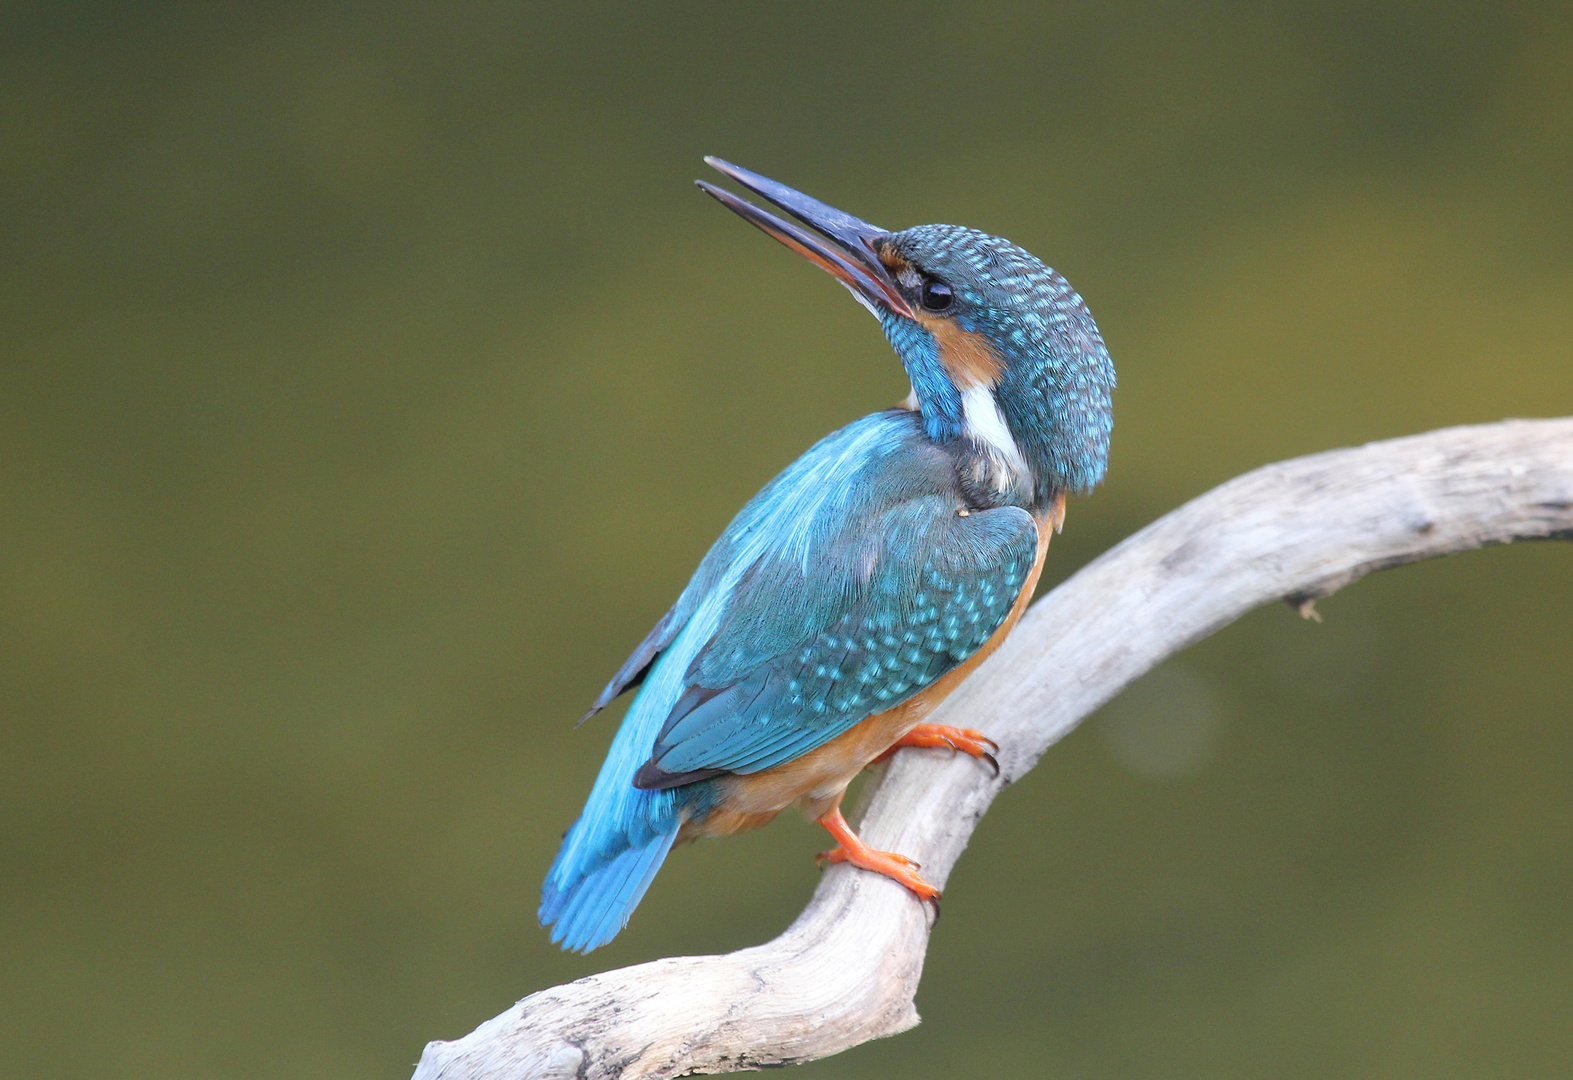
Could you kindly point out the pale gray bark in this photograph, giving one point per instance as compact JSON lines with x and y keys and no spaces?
{"x":846,"y":970}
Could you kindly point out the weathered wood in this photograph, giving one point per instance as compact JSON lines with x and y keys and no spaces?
{"x":846,"y":970}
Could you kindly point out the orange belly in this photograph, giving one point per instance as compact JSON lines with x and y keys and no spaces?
{"x":817,"y":780}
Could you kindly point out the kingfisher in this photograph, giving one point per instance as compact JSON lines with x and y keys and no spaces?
{"x":862,"y":584}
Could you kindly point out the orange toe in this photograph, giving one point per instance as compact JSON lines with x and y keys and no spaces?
{"x":942,"y":736}
{"x":853,"y":850}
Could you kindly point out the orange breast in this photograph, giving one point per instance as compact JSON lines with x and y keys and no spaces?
{"x":819,"y":778}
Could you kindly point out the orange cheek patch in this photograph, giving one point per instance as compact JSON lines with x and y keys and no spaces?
{"x":968,"y":358}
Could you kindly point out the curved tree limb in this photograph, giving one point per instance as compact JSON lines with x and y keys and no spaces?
{"x":847,"y":969}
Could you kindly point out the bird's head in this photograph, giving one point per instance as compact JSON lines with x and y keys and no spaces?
{"x":1005,"y":360}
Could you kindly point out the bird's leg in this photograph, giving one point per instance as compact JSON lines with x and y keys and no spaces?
{"x":930,"y":736}
{"x":853,"y":850}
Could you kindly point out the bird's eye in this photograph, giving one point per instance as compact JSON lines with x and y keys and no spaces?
{"x":936,"y":295}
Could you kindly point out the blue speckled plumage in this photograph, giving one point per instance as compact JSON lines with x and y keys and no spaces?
{"x":867,"y":570}
{"x":888,"y":589}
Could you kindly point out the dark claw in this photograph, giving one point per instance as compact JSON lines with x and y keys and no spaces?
{"x":993,"y":762}
{"x":992,"y":744}
{"x":933,"y":902}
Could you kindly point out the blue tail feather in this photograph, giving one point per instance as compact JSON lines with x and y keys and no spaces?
{"x":587,"y":908}
{"x":612,"y":852}
{"x":609,"y":857}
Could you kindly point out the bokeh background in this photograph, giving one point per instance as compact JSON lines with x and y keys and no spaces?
{"x":372,"y":377}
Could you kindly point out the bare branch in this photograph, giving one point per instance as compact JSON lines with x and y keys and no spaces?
{"x":847,"y":969}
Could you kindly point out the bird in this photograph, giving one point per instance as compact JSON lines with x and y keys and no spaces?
{"x":861,"y":585}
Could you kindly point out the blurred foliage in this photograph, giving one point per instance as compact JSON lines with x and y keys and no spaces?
{"x":371,"y":378}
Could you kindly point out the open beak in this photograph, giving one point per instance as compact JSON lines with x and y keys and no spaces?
{"x":850,"y":254}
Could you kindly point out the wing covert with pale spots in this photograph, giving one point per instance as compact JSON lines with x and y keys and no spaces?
{"x":879,"y":611}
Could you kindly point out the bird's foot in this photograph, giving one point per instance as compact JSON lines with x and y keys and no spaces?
{"x":853,"y":850}
{"x":930,"y":736}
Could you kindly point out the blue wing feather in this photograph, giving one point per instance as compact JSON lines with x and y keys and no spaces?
{"x":637,"y":666}
{"x":937,"y":587}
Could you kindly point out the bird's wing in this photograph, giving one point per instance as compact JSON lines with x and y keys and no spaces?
{"x":819,"y":634}
{"x":637,"y":666}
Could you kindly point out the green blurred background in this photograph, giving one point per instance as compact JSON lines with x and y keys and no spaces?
{"x":372,"y":377}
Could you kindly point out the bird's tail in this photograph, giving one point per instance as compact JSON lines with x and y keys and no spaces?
{"x":601,"y":873}
{"x":609,"y":857}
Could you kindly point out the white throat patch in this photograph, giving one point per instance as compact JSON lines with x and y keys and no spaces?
{"x":982,"y":422}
